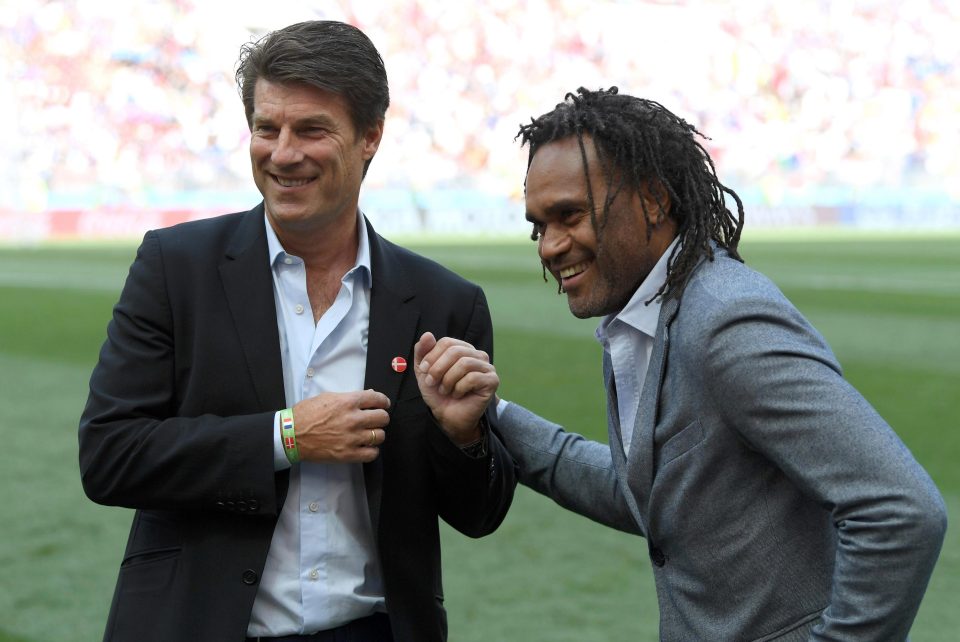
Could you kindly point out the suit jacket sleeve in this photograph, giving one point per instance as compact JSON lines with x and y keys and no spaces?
{"x":474,"y":494}
{"x":772,"y":377}
{"x":575,"y":472}
{"x":138,"y":448}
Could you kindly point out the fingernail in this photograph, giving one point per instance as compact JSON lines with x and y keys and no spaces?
{"x":424,"y":366}
{"x":428,"y":380}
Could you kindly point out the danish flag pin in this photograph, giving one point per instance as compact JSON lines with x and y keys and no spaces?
{"x":399,"y":364}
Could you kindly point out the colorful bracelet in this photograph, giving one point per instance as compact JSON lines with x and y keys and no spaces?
{"x":288,"y":435}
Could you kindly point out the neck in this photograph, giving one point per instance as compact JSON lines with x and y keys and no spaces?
{"x":327,"y":247}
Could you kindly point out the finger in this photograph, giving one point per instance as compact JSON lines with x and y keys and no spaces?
{"x":482,"y":384}
{"x":437,"y":352}
{"x":469,"y":375}
{"x":371,"y":399}
{"x":424,"y":345}
{"x":369,"y":419}
{"x":365,"y":455}
{"x":369,"y":438}
{"x":455,"y":362}
{"x":369,"y":448}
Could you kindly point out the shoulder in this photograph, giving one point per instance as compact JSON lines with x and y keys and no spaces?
{"x":724,"y":278}
{"x":419,"y":271}
{"x":726,"y":286}
{"x":728,"y":305}
{"x":207,"y":230}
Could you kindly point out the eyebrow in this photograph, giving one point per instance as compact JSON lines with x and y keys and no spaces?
{"x":309,"y":121}
{"x":556,"y":207}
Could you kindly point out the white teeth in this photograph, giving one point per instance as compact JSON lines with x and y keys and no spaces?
{"x":573,"y":270}
{"x":290,"y":182}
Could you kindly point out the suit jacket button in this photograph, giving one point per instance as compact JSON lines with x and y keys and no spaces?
{"x":659,"y":559}
{"x":250,"y":577}
{"x":252,"y":504}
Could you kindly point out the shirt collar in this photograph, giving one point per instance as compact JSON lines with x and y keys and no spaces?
{"x":637,"y":313}
{"x":275,"y":250}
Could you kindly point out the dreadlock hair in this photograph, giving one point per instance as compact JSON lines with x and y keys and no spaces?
{"x":641,"y":144}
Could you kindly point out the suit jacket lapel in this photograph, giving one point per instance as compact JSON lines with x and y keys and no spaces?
{"x":615,"y":438}
{"x":640,"y":463}
{"x":248,"y":286}
{"x":392,"y":333}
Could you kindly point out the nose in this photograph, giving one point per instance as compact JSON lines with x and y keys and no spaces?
{"x":554,"y":242}
{"x":287,"y":150}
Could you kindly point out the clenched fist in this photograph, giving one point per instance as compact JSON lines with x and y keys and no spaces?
{"x":457,"y":382}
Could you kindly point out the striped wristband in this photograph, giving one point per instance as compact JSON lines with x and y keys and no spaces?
{"x":288,"y":435}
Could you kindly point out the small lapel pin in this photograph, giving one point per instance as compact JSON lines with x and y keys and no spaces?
{"x":399,"y":364}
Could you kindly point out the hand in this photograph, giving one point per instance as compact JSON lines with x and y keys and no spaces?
{"x":457,"y":382}
{"x":341,"y":426}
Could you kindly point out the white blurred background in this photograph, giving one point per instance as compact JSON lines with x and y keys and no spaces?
{"x":121,"y":116}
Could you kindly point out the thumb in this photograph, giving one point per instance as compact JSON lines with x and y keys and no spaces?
{"x":424,"y":346}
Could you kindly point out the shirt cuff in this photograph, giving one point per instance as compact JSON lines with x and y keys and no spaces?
{"x":501,"y":406}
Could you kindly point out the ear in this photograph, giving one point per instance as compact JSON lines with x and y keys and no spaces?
{"x":656,"y":200}
{"x":371,"y":139}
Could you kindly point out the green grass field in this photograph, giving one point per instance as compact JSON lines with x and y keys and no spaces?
{"x":890,"y":307}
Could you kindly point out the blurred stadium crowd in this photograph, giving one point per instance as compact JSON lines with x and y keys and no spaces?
{"x":818,"y":106}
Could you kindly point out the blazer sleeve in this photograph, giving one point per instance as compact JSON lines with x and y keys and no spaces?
{"x":474,"y":493}
{"x":772,"y":377}
{"x":136,"y":450}
{"x":577,"y":473}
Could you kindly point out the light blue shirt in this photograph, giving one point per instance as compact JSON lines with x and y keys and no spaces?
{"x":627,"y":337}
{"x":322,"y":569}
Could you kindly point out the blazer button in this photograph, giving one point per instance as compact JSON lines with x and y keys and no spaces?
{"x":657,"y":556}
{"x":250,"y":577}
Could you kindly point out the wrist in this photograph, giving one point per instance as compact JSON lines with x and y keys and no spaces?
{"x":475,"y":445}
{"x":288,"y":435}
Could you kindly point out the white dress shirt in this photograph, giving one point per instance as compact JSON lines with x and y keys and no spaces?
{"x":322,"y":569}
{"x":627,"y":337}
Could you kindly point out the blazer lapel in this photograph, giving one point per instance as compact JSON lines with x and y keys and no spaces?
{"x":640,"y":462}
{"x":248,"y":286}
{"x":615,"y":438}
{"x":392,"y":333}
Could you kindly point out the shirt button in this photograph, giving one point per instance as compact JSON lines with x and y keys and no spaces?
{"x":299,"y":309}
{"x":314,"y":507}
{"x":314,"y":574}
{"x":287,"y":260}
{"x":310,"y":372}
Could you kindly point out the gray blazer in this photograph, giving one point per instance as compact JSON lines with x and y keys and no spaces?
{"x":776,"y":503}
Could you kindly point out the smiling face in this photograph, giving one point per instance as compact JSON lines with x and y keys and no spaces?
{"x":307,"y":157}
{"x":599,"y":274}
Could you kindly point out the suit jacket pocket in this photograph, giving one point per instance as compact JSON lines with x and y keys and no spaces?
{"x":681,"y":442}
{"x":150,"y":570}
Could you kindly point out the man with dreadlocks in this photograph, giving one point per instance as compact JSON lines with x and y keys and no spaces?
{"x":776,"y":503}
